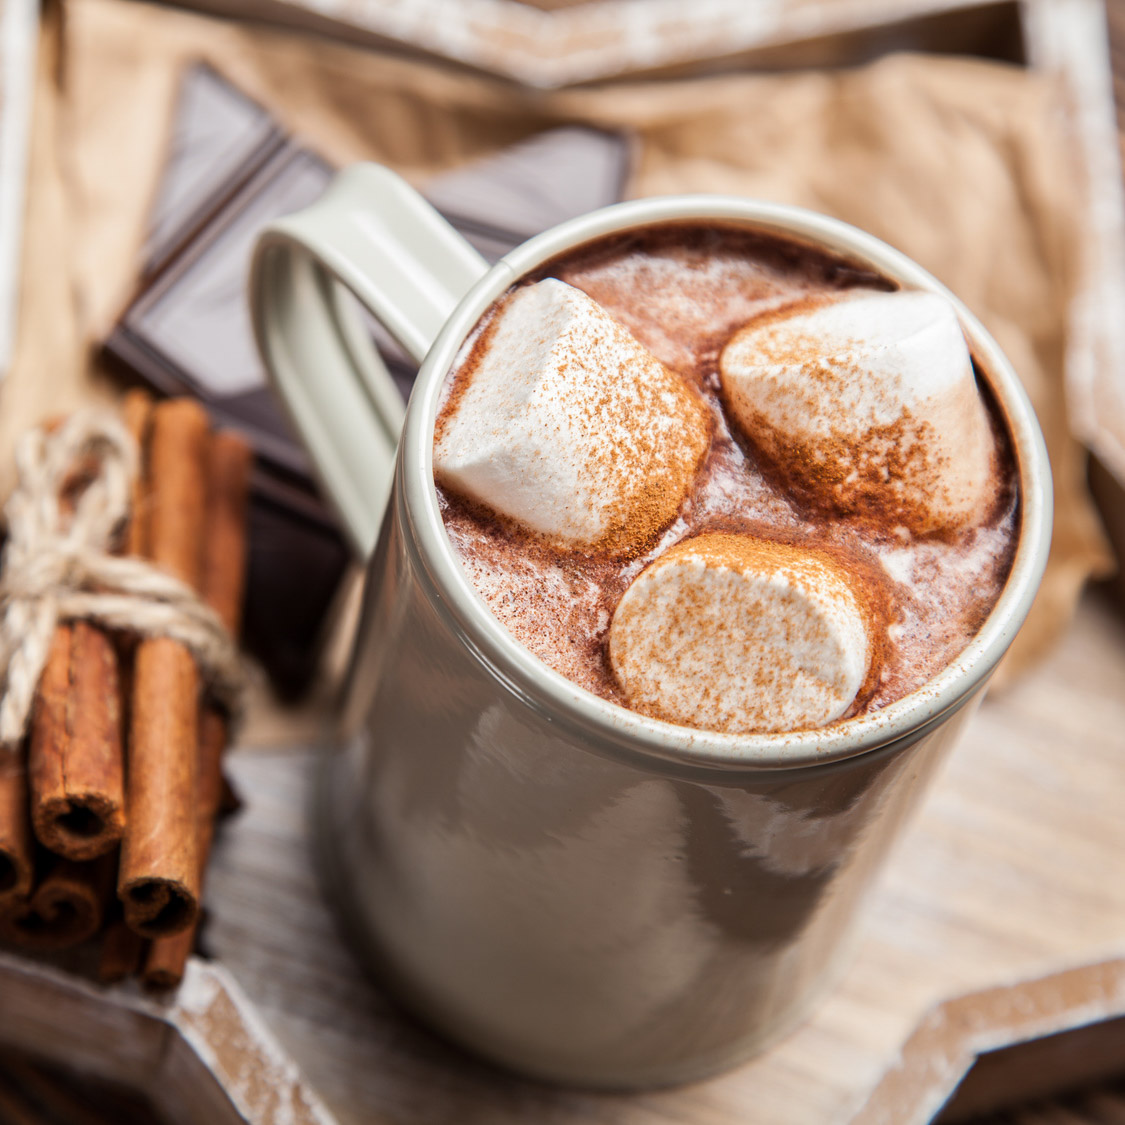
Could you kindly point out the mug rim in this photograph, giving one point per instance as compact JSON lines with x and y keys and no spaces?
{"x":604,"y":721}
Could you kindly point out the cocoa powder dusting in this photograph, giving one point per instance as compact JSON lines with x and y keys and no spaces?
{"x":683,"y":291}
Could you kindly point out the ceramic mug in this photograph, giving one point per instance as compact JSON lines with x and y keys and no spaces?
{"x":565,"y":886}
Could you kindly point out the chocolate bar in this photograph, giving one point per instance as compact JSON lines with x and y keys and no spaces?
{"x":221,"y":138}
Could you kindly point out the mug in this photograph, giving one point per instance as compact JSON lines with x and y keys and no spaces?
{"x":566,"y":887}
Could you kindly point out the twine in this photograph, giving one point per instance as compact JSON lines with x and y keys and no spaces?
{"x":56,"y":567}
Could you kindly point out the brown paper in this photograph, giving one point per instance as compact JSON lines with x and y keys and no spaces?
{"x":961,"y":164}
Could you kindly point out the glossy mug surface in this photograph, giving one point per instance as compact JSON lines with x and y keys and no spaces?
{"x":569,"y":888}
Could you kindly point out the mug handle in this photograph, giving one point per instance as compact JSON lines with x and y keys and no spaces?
{"x":376,"y":236}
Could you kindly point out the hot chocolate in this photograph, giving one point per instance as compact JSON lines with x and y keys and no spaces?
{"x":692,"y":431}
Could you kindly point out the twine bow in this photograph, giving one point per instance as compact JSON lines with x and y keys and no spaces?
{"x":57,"y":567}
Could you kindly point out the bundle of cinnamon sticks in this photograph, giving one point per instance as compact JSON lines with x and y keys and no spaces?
{"x":108,"y":813}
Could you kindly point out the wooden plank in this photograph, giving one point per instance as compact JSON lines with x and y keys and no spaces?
{"x":1069,"y":38}
{"x":554,"y":44}
{"x":18,"y":26}
{"x":224,"y":1064}
{"x":1040,"y":1067}
{"x":980,"y":1052}
{"x":202,"y":1055}
{"x":57,"y":1016}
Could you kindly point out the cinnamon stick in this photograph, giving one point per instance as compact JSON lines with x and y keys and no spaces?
{"x":121,"y":952}
{"x":75,"y":762}
{"x":136,"y":411}
{"x":223,"y":586}
{"x":76,"y":765}
{"x":122,"y":949}
{"x":65,"y":908}
{"x":159,"y":877}
{"x":166,"y":957}
{"x":17,"y":851}
{"x":224,"y":577}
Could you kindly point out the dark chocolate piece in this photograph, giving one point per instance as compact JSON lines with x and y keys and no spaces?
{"x":188,"y":331}
{"x":220,"y":137}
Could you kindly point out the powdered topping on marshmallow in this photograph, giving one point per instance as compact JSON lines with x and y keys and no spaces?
{"x":564,"y":423}
{"x":867,"y":405}
{"x":739,"y":634}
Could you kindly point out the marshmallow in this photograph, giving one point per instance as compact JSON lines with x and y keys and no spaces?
{"x":738,"y":634}
{"x":562,"y":422}
{"x":867,"y":405}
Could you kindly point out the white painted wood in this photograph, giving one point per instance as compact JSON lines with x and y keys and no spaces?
{"x":585,"y":42}
{"x":1068,"y":38}
{"x":19,"y":22}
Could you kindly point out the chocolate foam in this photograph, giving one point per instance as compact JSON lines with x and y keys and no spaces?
{"x":683,"y":291}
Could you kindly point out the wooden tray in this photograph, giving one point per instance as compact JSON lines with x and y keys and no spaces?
{"x":994,"y":946}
